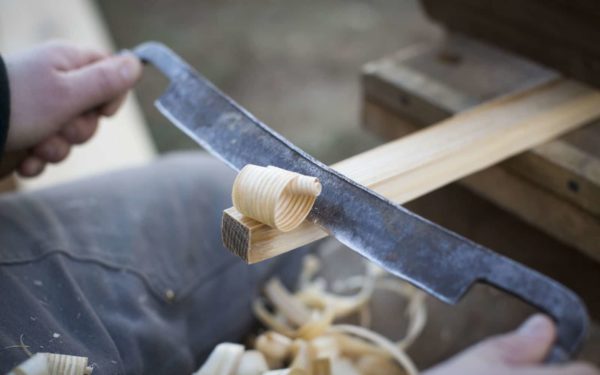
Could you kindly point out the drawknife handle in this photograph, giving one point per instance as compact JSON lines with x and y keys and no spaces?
{"x":551,"y":297}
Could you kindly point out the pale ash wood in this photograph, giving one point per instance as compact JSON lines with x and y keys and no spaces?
{"x":279,"y":198}
{"x":426,"y":160}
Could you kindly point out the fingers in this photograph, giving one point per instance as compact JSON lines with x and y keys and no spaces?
{"x":527,"y":345}
{"x":57,"y":147}
{"x":110,"y":108}
{"x":52,"y":150}
{"x":81,"y":129}
{"x":103,"y":81}
{"x":519,"y":353}
{"x":31,"y":166}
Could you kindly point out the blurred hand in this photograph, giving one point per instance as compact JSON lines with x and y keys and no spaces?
{"x":59,"y":91}
{"x":517,"y":353}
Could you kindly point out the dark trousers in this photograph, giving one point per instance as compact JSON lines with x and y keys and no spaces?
{"x":127,"y":269}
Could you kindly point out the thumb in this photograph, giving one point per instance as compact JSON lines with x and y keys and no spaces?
{"x":106,"y":79}
{"x":529,"y":344}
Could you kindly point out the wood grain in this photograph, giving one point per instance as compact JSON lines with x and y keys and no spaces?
{"x":277,"y":197}
{"x":428,"y":159}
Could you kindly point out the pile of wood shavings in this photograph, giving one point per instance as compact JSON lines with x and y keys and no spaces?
{"x":304,"y":339}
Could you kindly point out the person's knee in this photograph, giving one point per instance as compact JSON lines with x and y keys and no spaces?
{"x":196,"y":164}
{"x":196,"y":181}
{"x":194,"y":171}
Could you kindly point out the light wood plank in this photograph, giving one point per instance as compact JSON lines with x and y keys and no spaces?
{"x":426,"y":160}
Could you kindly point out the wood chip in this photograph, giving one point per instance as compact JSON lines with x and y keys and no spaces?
{"x":274,"y":196}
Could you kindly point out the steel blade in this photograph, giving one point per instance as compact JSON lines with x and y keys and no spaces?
{"x":432,"y":258}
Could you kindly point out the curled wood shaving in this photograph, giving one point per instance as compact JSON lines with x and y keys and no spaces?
{"x":293,"y":309}
{"x":301,"y":356}
{"x":355,"y":348}
{"x":315,"y":294}
{"x":53,"y":364}
{"x":36,"y":365}
{"x":274,"y":196}
{"x":252,"y":362}
{"x":271,"y":320}
{"x":398,"y":354}
{"x":416,"y":312}
{"x":325,"y":346}
{"x":302,"y":338}
{"x":343,"y":366}
{"x":224,"y":360}
{"x":321,"y":366}
{"x":275,"y":347}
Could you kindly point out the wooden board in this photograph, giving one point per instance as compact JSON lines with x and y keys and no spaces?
{"x":405,"y":91}
{"x":122,"y":140}
{"x":428,"y":159}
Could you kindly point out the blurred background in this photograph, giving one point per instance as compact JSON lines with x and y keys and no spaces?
{"x":294,"y":64}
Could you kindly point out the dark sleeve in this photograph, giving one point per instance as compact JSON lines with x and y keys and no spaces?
{"x":4,"y":105}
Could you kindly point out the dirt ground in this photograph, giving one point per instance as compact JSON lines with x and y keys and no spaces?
{"x":296,"y":65}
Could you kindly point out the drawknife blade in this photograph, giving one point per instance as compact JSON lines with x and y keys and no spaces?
{"x":430,"y":257}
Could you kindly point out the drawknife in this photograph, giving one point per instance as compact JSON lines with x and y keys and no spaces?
{"x":428,"y":256}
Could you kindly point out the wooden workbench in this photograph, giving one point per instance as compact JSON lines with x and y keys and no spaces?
{"x":554,"y":187}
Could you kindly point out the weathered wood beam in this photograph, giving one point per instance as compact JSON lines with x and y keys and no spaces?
{"x":414,"y":165}
{"x":438,"y":80}
{"x":406,"y":92}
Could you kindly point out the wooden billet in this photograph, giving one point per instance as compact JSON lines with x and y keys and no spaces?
{"x":276,"y":197}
